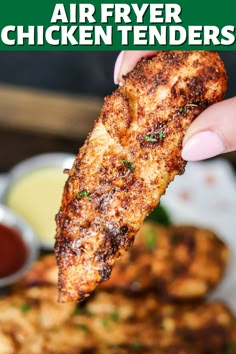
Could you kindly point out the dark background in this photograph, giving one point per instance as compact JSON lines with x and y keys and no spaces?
{"x":88,"y":73}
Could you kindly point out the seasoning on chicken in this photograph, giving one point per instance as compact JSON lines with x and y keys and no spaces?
{"x":127,"y":162}
{"x":172,"y":262}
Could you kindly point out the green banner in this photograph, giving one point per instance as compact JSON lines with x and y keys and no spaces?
{"x":106,"y":25}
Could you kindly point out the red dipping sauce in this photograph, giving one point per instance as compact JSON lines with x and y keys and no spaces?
{"x":13,"y":251}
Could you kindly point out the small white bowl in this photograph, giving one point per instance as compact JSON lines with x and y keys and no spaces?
{"x":10,"y":219}
{"x":24,"y":168}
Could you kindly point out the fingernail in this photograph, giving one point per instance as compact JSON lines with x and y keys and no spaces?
{"x":117,"y":67}
{"x":203,"y":146}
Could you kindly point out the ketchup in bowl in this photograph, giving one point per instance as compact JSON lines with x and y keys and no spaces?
{"x":13,"y":251}
{"x":18,"y":247}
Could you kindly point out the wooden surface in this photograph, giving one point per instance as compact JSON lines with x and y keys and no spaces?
{"x":31,"y":110}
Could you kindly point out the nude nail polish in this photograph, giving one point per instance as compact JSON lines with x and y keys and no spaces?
{"x":202,"y":146}
{"x":117,"y":67}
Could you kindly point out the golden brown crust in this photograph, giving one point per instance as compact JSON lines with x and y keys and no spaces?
{"x":171,"y":261}
{"x":128,"y":160}
{"x":43,"y":272}
{"x":32,"y":322}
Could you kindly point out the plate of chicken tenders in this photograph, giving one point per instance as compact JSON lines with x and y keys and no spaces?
{"x":129,"y":275}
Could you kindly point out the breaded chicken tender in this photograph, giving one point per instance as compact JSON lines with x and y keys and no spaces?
{"x":172,"y":262}
{"x":31,"y":322}
{"x":43,"y":272}
{"x":127,"y":162}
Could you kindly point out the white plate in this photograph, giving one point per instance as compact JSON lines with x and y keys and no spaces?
{"x":206,"y":196}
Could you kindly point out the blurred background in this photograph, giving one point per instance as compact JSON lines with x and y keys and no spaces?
{"x":49,"y":100}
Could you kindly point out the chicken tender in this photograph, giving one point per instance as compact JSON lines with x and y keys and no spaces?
{"x":31,"y":321}
{"x":172,"y":262}
{"x":127,"y":162}
{"x":43,"y":272}
{"x":145,"y":324}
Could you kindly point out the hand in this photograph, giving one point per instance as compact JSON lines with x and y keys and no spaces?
{"x":212,"y":133}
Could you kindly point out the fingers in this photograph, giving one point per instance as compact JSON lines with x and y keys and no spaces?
{"x":212,"y":133}
{"x":126,"y":61}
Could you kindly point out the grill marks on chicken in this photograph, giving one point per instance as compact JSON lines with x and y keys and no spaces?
{"x":127,"y":162}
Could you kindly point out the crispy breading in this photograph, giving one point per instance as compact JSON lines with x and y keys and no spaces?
{"x":6,"y":344}
{"x":171,"y":261}
{"x":148,"y":325}
{"x":127,"y":162}
{"x":43,"y":272}
{"x":27,"y":312}
{"x":112,"y":323}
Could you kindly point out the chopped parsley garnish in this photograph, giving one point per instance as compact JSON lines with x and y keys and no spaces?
{"x":78,"y":311}
{"x":84,"y":193}
{"x":115,"y":316}
{"x":136,"y":346}
{"x":150,"y":239}
{"x":154,"y":137}
{"x":105,"y":323}
{"x":128,"y":164}
{"x":161,"y":135}
{"x":82,"y":311}
{"x":83,"y":327}
{"x":150,"y":139}
{"x":25,"y":308}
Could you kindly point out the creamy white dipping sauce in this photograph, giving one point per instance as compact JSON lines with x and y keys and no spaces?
{"x":37,"y":197}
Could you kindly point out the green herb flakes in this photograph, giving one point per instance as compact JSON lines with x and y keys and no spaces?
{"x":83,"y":327}
{"x":161,"y":135}
{"x":155,"y":136}
{"x":105,"y":323}
{"x":150,"y":239}
{"x":150,"y":139}
{"x":25,"y":308}
{"x":136,"y":346}
{"x":128,"y":164}
{"x":83,"y":193}
{"x":115,"y":316}
{"x":80,"y":311}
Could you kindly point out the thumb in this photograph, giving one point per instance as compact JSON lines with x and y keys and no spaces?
{"x":212,"y":133}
